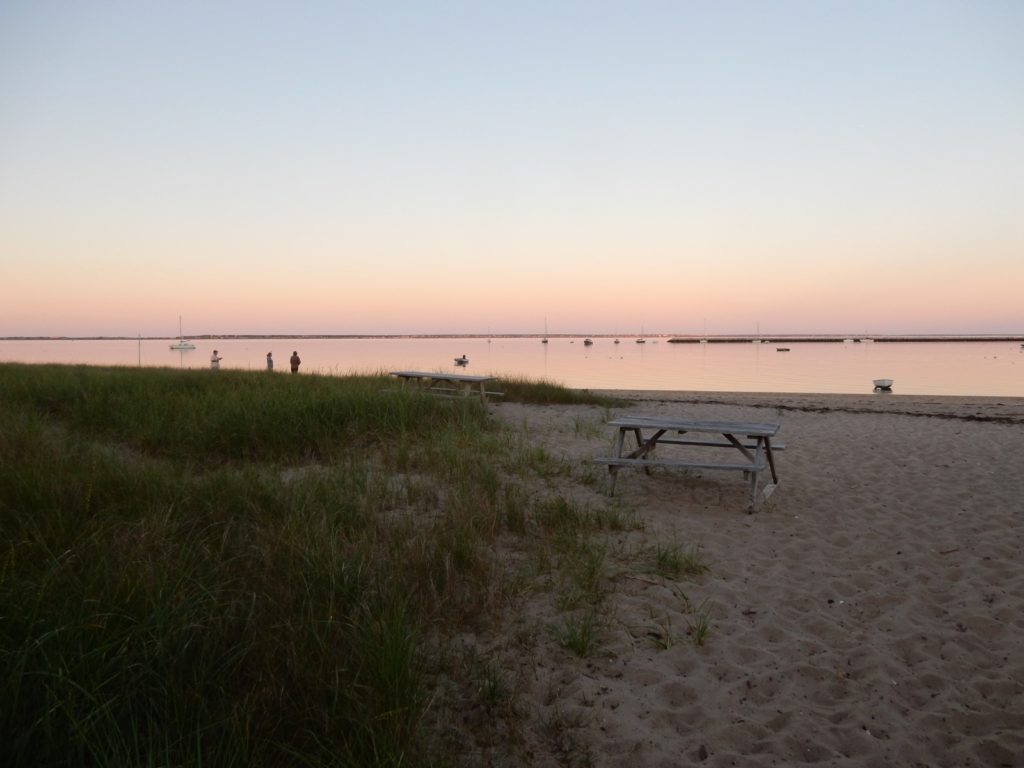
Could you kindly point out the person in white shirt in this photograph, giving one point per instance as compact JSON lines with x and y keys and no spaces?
{"x":215,"y":361}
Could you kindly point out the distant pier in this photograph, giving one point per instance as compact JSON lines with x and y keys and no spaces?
{"x":835,"y":339}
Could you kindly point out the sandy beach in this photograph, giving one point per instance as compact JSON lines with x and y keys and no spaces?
{"x":870,"y":613}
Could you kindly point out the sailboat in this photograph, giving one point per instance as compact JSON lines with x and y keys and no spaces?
{"x":545,"y":339}
{"x":641,"y":340}
{"x":181,"y":343}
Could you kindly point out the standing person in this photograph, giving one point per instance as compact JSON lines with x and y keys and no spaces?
{"x":215,"y":361}
{"x":270,"y":361}
{"x":295,"y":362}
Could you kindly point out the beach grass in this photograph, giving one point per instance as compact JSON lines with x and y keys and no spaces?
{"x":674,"y":560}
{"x":240,"y":568}
{"x":699,"y":628}
{"x":546,"y":392}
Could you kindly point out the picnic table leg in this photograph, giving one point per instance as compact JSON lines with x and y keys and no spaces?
{"x":639,"y":436}
{"x":645,"y":447}
{"x":640,"y":448}
{"x":755,"y":475}
{"x":753,"y":488}
{"x":612,"y":469}
{"x":771,"y":459}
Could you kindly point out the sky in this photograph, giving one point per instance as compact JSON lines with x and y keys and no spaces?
{"x":469,"y":167}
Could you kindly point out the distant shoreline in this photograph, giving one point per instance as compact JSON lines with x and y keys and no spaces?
{"x":669,"y":338}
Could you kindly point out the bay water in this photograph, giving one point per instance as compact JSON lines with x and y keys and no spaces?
{"x":969,"y":368}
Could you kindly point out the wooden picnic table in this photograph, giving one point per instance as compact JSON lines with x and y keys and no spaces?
{"x":752,"y":441}
{"x":449,"y":384}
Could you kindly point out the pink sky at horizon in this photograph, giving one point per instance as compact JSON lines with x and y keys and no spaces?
{"x":473,"y":168}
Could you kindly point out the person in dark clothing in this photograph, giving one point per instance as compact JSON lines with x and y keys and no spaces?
{"x":295,"y":362}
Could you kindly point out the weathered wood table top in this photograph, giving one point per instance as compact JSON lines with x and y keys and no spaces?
{"x":441,"y":376}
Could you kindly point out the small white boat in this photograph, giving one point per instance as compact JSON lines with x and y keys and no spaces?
{"x":883,"y":384}
{"x":181,"y":344}
{"x":463,"y":361}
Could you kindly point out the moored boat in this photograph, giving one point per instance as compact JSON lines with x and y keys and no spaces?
{"x":181,"y":343}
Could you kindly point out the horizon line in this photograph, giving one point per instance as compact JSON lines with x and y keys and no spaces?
{"x":683,"y":338}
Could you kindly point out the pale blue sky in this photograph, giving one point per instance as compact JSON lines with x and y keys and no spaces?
{"x":456,"y":166}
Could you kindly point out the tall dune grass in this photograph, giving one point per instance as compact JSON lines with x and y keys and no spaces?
{"x":236,"y":568}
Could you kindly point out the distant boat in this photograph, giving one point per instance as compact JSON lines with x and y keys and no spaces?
{"x":617,"y":341}
{"x":545,"y":339}
{"x":782,"y":349}
{"x":641,"y":340}
{"x":885,"y":385}
{"x":181,"y":344}
{"x":463,"y":361}
{"x":587,"y":342}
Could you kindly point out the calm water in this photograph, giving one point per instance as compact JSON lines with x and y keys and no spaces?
{"x":931,"y":368}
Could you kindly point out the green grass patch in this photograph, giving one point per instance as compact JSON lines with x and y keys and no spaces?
{"x":231,"y":568}
{"x":674,"y":560}
{"x":699,"y":628}
{"x":543,"y":392}
{"x":580,"y":633}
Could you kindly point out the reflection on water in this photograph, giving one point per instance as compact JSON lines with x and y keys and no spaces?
{"x":931,"y":368}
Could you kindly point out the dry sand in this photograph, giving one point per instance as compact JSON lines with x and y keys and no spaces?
{"x":871,"y":613}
